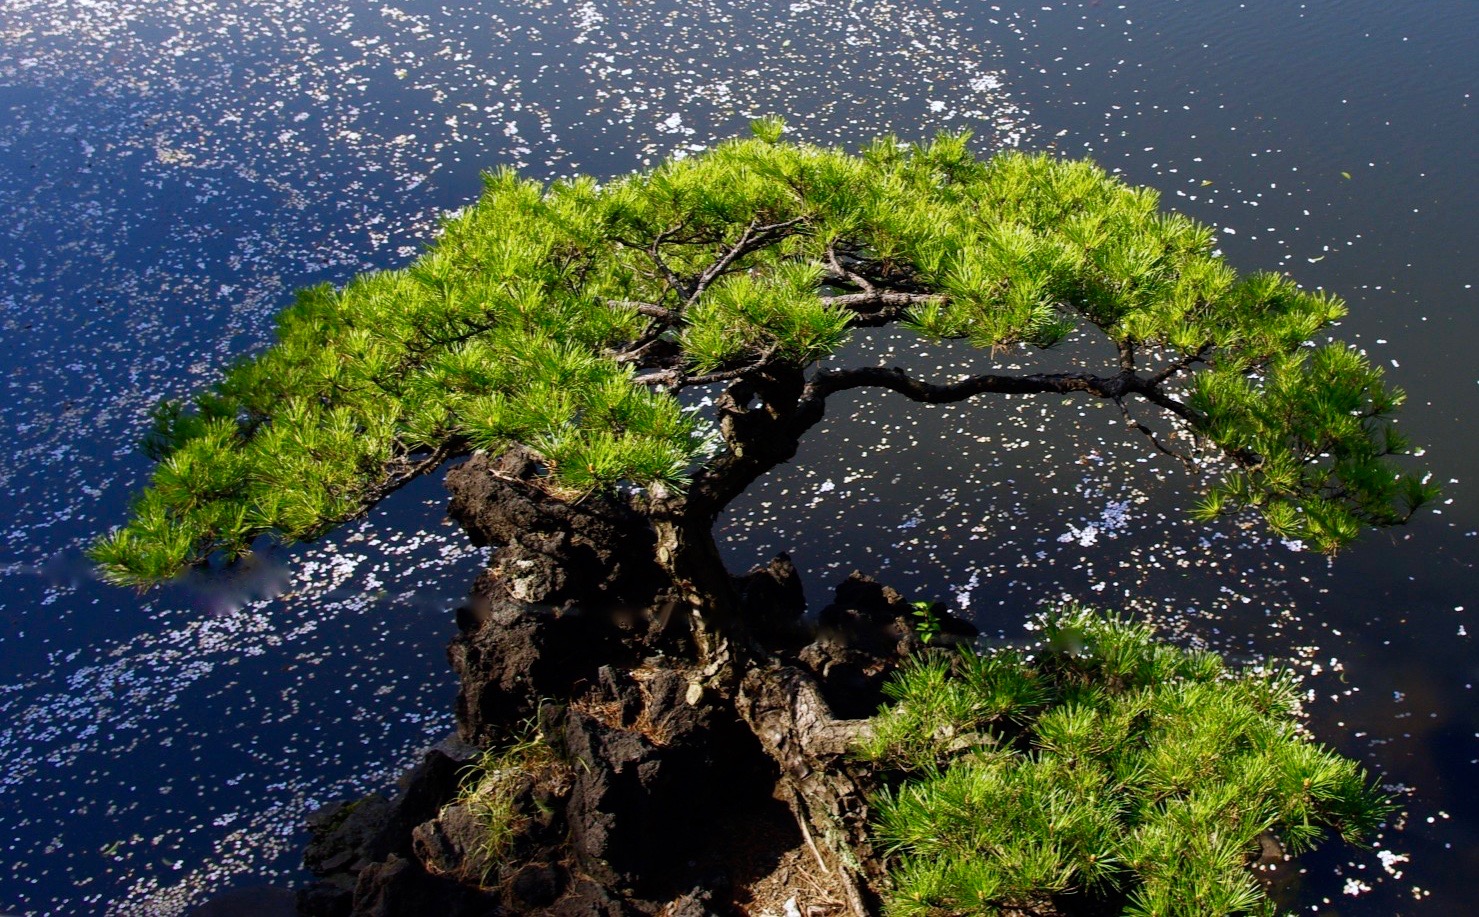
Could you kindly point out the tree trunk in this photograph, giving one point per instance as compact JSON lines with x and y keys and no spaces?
{"x":686,"y":550}
{"x":780,"y":703}
{"x":590,"y":559}
{"x":784,"y":707}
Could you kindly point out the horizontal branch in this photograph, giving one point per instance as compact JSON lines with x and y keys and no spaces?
{"x":840,"y":272}
{"x":830,"y":381}
{"x":1116,"y":387}
{"x":1185,"y":362}
{"x":675,"y":378}
{"x":754,"y":238}
{"x":405,"y":467}
{"x":881,"y":299}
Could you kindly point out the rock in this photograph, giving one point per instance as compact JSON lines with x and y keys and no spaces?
{"x":589,"y":899}
{"x":862,"y":636}
{"x":622,"y":688}
{"x":574,"y":608}
{"x":325,"y":899}
{"x":349,"y":837}
{"x":570,"y":587}
{"x":401,"y":888}
{"x":669,"y":711}
{"x":537,"y":885}
{"x":643,"y":801}
{"x":346,"y":835}
{"x":424,"y":790}
{"x":605,"y":810}
{"x":523,"y":655}
{"x":772,"y":599}
{"x":451,"y":845}
{"x":697,"y":903}
{"x":548,"y":551}
{"x":869,"y":616}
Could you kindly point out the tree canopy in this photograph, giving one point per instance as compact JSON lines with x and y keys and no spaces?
{"x":569,"y":318}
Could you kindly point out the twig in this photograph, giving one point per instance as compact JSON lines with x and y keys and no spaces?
{"x":887,"y":299}
{"x":858,"y":280}
{"x":651,"y":310}
{"x":1186,"y":361}
{"x":798,"y":808}
{"x":1126,"y":348}
{"x":677,"y":378}
{"x":754,"y":237}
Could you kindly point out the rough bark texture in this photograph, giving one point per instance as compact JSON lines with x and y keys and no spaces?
{"x":787,"y":713}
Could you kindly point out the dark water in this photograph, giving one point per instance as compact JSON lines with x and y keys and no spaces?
{"x":170,"y":171}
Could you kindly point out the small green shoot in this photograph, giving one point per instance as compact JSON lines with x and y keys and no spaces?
{"x":494,"y":784}
{"x":926,"y":622}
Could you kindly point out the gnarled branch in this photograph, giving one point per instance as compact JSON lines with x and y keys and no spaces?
{"x":879,"y":307}
{"x":830,"y":381}
{"x":651,"y":310}
{"x":754,"y":238}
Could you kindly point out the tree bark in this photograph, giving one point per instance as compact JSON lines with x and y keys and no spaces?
{"x":686,"y":550}
{"x":784,"y":707}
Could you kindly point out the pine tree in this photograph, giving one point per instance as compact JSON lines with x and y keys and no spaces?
{"x":569,"y":326}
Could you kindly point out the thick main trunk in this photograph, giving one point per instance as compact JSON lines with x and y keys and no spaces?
{"x":686,"y":550}
{"x":781,"y":704}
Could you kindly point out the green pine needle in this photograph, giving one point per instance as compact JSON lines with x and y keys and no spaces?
{"x":1107,"y":765}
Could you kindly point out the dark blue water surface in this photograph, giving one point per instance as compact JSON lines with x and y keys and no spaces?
{"x":170,"y":171}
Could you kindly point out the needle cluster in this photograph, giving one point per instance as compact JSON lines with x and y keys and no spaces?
{"x":1103,"y":767}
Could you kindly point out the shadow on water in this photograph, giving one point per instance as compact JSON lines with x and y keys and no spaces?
{"x":218,"y":588}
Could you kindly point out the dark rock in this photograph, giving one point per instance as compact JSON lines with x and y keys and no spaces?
{"x":669,"y":714}
{"x":537,"y":885}
{"x":870,"y":617}
{"x":401,"y":888}
{"x":349,"y":837}
{"x":862,"y":636}
{"x":773,"y":600}
{"x":523,"y":654}
{"x":569,"y":588}
{"x":424,"y":790}
{"x":642,"y":803}
{"x":622,"y":688}
{"x":597,"y":551}
{"x":697,"y":903}
{"x":450,"y":845}
{"x":346,"y":835}
{"x":602,"y":794}
{"x":325,"y":899}
{"x":571,"y":604}
{"x":589,"y":899}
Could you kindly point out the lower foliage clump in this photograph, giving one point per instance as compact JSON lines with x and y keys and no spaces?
{"x":1105,"y":771}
